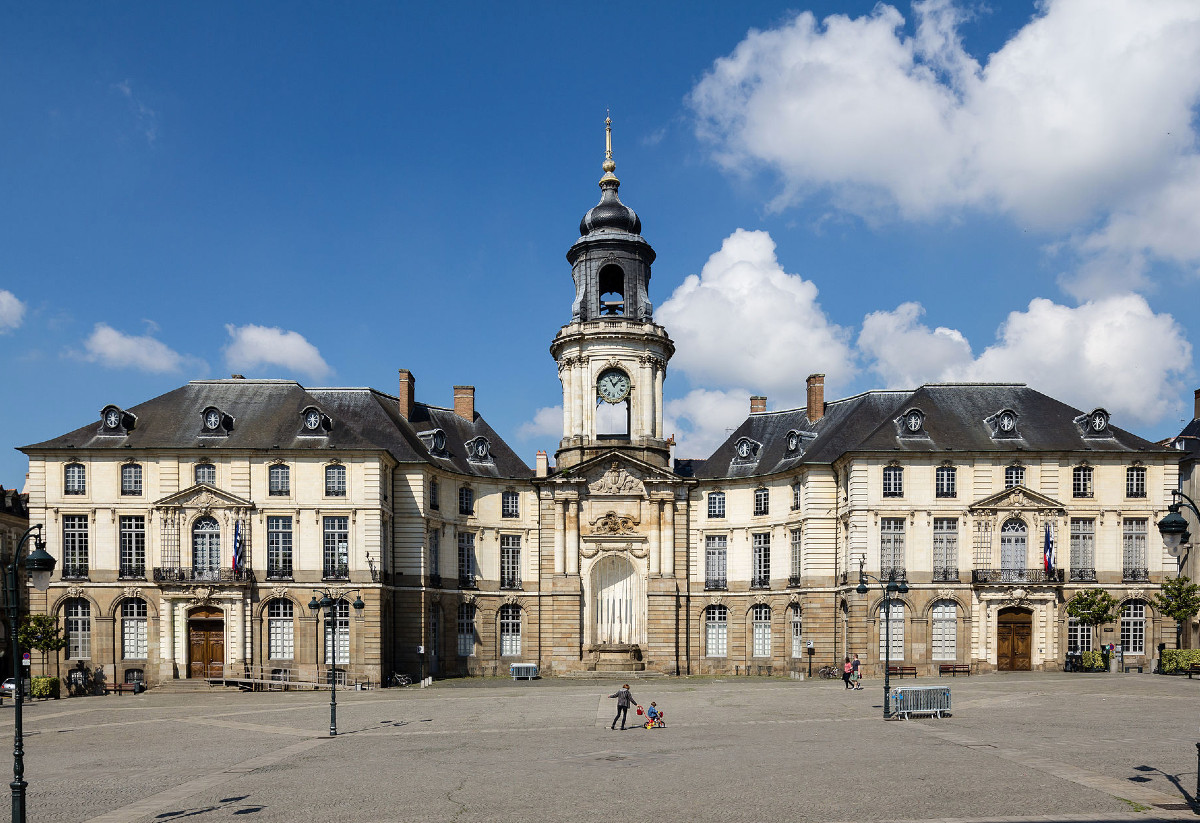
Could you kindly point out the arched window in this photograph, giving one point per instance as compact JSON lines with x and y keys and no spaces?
{"x":716,"y":631}
{"x":281,"y":643}
{"x":79,"y":629}
{"x":1012,"y":551}
{"x":893,"y":481}
{"x":337,"y":635}
{"x":206,"y":549}
{"x":131,"y":479}
{"x":1014,"y":476}
{"x":612,"y":291}
{"x":133,"y":629}
{"x":279,"y":480}
{"x":761,"y":628}
{"x":797,"y":633}
{"x":510,"y":630}
{"x":206,"y":474}
{"x":466,"y":630}
{"x":891,"y":624}
{"x":1133,"y":627}
{"x":335,"y":480}
{"x":945,"y":630}
{"x":74,"y":479}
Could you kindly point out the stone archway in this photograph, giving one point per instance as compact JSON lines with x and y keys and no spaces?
{"x":617,"y":603}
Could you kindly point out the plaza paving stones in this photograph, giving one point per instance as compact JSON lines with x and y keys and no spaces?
{"x":1019,"y":747}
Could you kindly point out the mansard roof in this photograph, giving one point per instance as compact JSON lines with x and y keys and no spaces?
{"x":266,"y":415}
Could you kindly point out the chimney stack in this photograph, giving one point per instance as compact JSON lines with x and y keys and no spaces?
{"x":816,"y":397}
{"x":758,"y":403}
{"x":543,"y":463}
{"x":1196,"y":411}
{"x":408,"y":391}
{"x":464,"y":402}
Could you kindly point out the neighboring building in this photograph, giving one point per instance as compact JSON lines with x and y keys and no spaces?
{"x":615,"y":560}
{"x":1188,"y":442}
{"x":14,"y":521}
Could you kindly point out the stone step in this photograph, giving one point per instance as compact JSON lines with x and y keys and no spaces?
{"x":623,"y":674}
{"x":619,"y":666}
{"x":185,"y":686}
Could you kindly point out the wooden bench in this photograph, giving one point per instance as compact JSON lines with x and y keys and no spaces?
{"x":122,"y":688}
{"x":900,"y":671}
{"x":954,"y":669}
{"x":1192,"y":670}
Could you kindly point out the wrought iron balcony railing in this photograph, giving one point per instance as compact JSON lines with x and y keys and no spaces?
{"x":898,"y":574}
{"x":186,"y":574}
{"x":1083,"y":575}
{"x":510,"y":582}
{"x":1135,"y":575}
{"x":435,"y":581}
{"x":793,"y":580}
{"x":131,"y":571}
{"x":945,"y":574}
{"x":336,"y":571}
{"x":760,"y":582}
{"x":715,"y":584}
{"x":75,"y":571}
{"x":279,"y":571}
{"x":1016,"y":576}
{"x":467,"y":581}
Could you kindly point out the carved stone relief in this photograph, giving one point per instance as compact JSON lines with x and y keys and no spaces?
{"x":613,"y":523}
{"x":132,"y":591}
{"x":617,"y":481}
{"x":591,"y":549}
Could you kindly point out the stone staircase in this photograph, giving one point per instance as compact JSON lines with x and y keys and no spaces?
{"x":185,"y":686}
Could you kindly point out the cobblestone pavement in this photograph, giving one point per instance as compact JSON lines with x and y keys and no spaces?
{"x":1018,"y":747}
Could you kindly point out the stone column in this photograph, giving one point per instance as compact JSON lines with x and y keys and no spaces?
{"x":580,"y":374}
{"x":233,"y":655}
{"x":658,"y":412}
{"x":560,"y":537}
{"x":668,"y":539}
{"x":166,"y":639}
{"x":181,"y":638}
{"x":566,"y":375}
{"x":573,"y":537}
{"x":653,"y":535}
{"x":646,"y":397}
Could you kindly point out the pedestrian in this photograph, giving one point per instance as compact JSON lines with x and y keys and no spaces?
{"x":847,"y":669}
{"x":854,"y":665}
{"x":624,"y":698}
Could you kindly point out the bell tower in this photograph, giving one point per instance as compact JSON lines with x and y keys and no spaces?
{"x":612,"y":356}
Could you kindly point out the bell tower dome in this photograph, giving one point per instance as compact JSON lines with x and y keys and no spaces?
{"x":612,"y":356}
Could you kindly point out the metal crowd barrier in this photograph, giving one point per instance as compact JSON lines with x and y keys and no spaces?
{"x":912,"y":700}
{"x":523,"y":671}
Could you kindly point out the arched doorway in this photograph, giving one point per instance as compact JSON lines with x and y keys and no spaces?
{"x":617,"y":607}
{"x":206,"y":643}
{"x":1014,"y":639}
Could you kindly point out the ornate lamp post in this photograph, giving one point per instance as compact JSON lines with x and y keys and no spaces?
{"x":1173,"y":527}
{"x":328,"y":602}
{"x":39,"y":564}
{"x":892,"y":589}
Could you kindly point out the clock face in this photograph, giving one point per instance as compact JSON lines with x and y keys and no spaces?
{"x":613,"y":386}
{"x":439,"y":441}
{"x":743,"y":449}
{"x":212,"y":419}
{"x":481,"y":449}
{"x":914,"y":422}
{"x":312,"y":420}
{"x":793,"y":443}
{"x":1007,"y":422}
{"x":112,"y":419}
{"x":1098,"y":422}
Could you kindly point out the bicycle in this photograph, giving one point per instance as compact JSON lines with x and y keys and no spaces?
{"x":828,"y":673}
{"x":398,"y":679}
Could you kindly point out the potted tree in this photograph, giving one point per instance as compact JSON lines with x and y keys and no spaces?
{"x":1179,"y":599}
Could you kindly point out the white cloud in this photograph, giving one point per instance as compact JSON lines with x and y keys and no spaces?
{"x":12,"y":311}
{"x":745,"y":322}
{"x":1113,"y":352}
{"x":703,"y":419}
{"x":1086,"y":114}
{"x":147,"y":117}
{"x":546,"y":422}
{"x":117,"y":350}
{"x":255,"y":347}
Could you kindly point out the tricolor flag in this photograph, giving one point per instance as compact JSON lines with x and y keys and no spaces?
{"x":237,"y":545}
{"x":1049,"y":553}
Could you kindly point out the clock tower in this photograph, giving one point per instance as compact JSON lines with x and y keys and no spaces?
{"x":612,"y":356}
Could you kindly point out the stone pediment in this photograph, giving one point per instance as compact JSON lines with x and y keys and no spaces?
{"x":618,"y":480}
{"x":204,"y":497}
{"x":1017,"y":498}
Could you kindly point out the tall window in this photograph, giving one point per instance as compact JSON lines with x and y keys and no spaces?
{"x":510,"y":561}
{"x":761,"y":629}
{"x":714,"y":561}
{"x":1135,"y":481}
{"x":1083,"y":549}
{"x":1079,"y":636}
{"x":335,"y":480}
{"x":131,"y":479}
{"x":716,"y":631}
{"x":79,"y":629}
{"x":1014,"y":476}
{"x":716,"y":504}
{"x":279,"y":547}
{"x":945,"y":630}
{"x":1081,"y":481}
{"x":797,"y":557}
{"x":74,"y":479}
{"x":466,"y":559}
{"x":75,"y":545}
{"x":797,"y":633}
{"x":337,"y":547}
{"x":946,"y":481}
{"x":206,"y":549}
{"x":510,"y":504}
{"x":466,"y":500}
{"x":279,"y":480}
{"x":132,"y":540}
{"x":435,"y":551}
{"x":510,"y":630}
{"x":761,"y":568}
{"x":1133,"y":549}
{"x":891,"y":624}
{"x":762,"y":501}
{"x":337,"y":635}
{"x":281,"y":644}
{"x":206,"y":474}
{"x":133,"y":629}
{"x":796,"y":494}
{"x":893,"y":481}
{"x":435,"y":502}
{"x":1133,"y":628}
{"x":466,"y":630}
{"x":945,"y":548}
{"x":891,"y":547}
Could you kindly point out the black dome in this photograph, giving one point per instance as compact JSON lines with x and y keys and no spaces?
{"x":610,"y":213}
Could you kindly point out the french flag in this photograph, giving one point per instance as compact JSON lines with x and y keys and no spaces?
{"x":237,"y":545}
{"x":1049,"y":552}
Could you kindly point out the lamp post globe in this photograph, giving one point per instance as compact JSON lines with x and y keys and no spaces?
{"x":1174,"y":529}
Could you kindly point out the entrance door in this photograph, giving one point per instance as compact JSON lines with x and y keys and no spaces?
{"x":206,"y":643}
{"x":1014,"y":640}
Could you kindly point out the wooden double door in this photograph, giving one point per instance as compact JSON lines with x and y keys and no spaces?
{"x":1014,"y":640}
{"x":206,"y":643}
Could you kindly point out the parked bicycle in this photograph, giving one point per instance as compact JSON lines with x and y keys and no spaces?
{"x":829,"y":673}
{"x":398,"y":679}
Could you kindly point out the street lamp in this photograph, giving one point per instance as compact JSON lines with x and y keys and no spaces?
{"x":39,"y":564}
{"x":328,"y":602}
{"x":891,"y":591}
{"x":1173,"y":527}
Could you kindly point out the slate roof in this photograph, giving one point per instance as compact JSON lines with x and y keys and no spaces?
{"x":955,"y":420}
{"x":1188,"y":441}
{"x":267,"y":415}
{"x":14,"y":503}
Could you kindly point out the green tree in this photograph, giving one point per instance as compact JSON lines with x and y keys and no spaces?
{"x":41,"y":632}
{"x":1091,"y":607}
{"x":1178,"y":600}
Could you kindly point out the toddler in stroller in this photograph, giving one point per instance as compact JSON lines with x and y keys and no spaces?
{"x":654,"y":718}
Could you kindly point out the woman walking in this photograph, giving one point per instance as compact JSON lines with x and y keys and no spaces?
{"x":847,"y":669}
{"x":624,"y":698}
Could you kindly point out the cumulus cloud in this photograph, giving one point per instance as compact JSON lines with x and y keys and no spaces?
{"x":12,"y":311}
{"x":744,"y":321}
{"x":253,"y":347}
{"x":546,"y":422}
{"x":1113,"y":352}
{"x":1083,"y":118}
{"x":703,"y":419}
{"x":118,"y":350}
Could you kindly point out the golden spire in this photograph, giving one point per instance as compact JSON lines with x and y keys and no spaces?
{"x":609,"y":165}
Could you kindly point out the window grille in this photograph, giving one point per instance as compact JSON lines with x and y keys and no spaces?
{"x":335,"y":480}
{"x":1135,"y":481}
{"x":762,"y":501}
{"x":945,"y":548}
{"x":716,"y":631}
{"x":945,"y":630}
{"x":510,"y":561}
{"x":510,"y":630}
{"x":1083,"y":549}
{"x":1133,"y":628}
{"x":1133,"y":550}
{"x":510,"y":504}
{"x":466,"y":630}
{"x":74,"y":479}
{"x":206,"y":474}
{"x":762,"y":630}
{"x":337,"y":547}
{"x":797,"y":633}
{"x":337,"y":635}
{"x":281,"y":644}
{"x":79,"y":629}
{"x":797,"y":556}
{"x":133,"y":630}
{"x":893,"y":481}
{"x":761,"y":545}
{"x":466,"y":559}
{"x":714,"y":561}
{"x":466,"y":501}
{"x":279,"y":480}
{"x":891,"y":615}
{"x":1081,"y":481}
{"x":279,"y":547}
{"x":1014,"y":476}
{"x":1079,"y":636}
{"x":891,"y":546}
{"x":716,"y":504}
{"x":132,"y":540}
{"x":946,"y":481}
{"x":75,"y":545}
{"x":131,"y":479}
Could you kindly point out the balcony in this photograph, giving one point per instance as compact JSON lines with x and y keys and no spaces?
{"x":1012,"y":577}
{"x":1083,"y":576}
{"x":75,"y":571}
{"x":435,"y":581}
{"x":760,"y":582}
{"x":895,"y":573}
{"x":715,"y":584}
{"x":793,"y":581}
{"x":945,"y":574}
{"x":184,"y":574}
{"x":510,"y":582}
{"x":1135,"y":575}
{"x":131,"y":571}
{"x":467,"y":581}
{"x":335,"y":571}
{"x":279,"y":571}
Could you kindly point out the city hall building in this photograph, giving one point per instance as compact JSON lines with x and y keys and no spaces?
{"x":192,"y":530}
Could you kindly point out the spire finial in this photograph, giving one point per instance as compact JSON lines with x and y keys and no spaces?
{"x":609,"y":165}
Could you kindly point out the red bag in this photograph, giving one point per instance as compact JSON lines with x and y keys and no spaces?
{"x":640,"y":710}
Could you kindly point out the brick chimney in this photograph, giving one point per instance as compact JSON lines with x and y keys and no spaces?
{"x":1196,"y":412}
{"x":758,"y":403}
{"x":464,"y":402}
{"x":816,"y":397}
{"x":543,"y":463}
{"x":408,"y":391}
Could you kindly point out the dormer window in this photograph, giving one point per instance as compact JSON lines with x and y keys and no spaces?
{"x":1003,"y":424}
{"x":912,"y":424}
{"x":314,"y":421}
{"x":215,"y":422}
{"x":746,"y":450}
{"x":1095,"y":423}
{"x":479,"y":450}
{"x":115,"y":421}
{"x":435,"y":441}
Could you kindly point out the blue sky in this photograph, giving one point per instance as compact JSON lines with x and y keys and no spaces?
{"x":329,"y":192}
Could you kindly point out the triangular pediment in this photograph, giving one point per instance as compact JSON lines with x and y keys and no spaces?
{"x":616,"y":473}
{"x":203,"y":496}
{"x":1018,"y":497}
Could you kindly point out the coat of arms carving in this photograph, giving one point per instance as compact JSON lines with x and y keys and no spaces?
{"x":612,"y":523}
{"x":617,"y":481}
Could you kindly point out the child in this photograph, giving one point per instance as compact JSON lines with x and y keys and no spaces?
{"x":654,"y":717}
